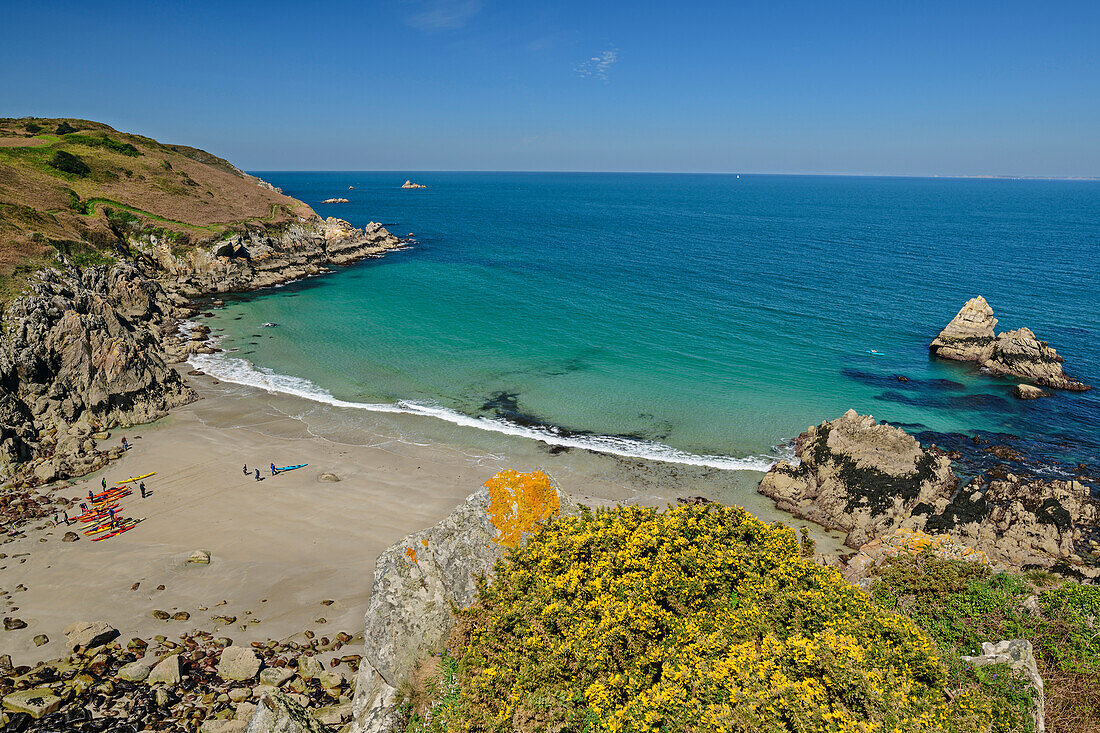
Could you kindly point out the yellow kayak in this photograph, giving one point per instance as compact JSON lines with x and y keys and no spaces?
{"x":106,"y":526}
{"x":136,"y":478}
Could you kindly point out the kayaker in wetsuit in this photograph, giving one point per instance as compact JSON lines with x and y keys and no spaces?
{"x":111,"y":515}
{"x":245,"y":469}
{"x":83,"y":508}
{"x":273,"y":471}
{"x":141,"y":487}
{"x":91,"y":496}
{"x":257,"y":474}
{"x":104,"y":482}
{"x":124,"y":444}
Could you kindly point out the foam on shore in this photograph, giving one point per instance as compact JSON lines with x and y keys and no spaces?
{"x":241,"y":371}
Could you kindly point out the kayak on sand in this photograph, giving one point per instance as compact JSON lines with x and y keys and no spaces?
{"x":137,"y":478}
{"x":290,"y":468}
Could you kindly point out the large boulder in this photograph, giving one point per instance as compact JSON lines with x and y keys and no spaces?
{"x":86,"y":634}
{"x":419,"y":579}
{"x":277,"y":713}
{"x":970,"y":337}
{"x":860,"y":477}
{"x":238,"y":663}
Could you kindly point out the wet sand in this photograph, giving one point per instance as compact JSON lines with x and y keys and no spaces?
{"x":282,"y":545}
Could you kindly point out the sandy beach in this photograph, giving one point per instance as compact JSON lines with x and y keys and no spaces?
{"x":283,"y":545}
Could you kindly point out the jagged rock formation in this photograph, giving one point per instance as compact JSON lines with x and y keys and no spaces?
{"x":417,"y":580}
{"x":79,"y":357}
{"x":872,"y":480}
{"x":1024,"y":523}
{"x":260,"y":257}
{"x":970,"y":337}
{"x":858,"y":476}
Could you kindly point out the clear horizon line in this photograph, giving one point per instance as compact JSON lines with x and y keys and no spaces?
{"x":958,"y":176}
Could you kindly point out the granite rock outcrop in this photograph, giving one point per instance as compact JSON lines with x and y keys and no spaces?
{"x":420,"y":578}
{"x":970,"y":337}
{"x":876,"y":481}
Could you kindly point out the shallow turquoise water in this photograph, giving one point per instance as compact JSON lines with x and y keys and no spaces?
{"x":685,"y":315}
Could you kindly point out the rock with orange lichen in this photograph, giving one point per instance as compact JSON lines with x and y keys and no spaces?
{"x":904,"y":542}
{"x":420,"y":578}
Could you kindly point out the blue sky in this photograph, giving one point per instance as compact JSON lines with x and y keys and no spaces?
{"x":907,"y":88}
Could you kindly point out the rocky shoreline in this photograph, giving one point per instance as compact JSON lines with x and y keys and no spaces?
{"x":871,"y":480}
{"x":90,"y":351}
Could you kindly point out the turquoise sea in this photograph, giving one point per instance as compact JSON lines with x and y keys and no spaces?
{"x":696,"y":318}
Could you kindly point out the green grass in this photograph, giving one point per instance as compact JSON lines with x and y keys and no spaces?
{"x":964,"y":604}
{"x":441,"y":693}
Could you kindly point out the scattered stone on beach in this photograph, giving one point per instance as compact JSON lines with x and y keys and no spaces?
{"x":199,"y":557}
{"x":133,"y":672}
{"x":181,"y":616}
{"x":88,"y":634}
{"x":161,"y":615}
{"x":970,"y":337}
{"x":238,"y":663}
{"x":70,"y":537}
{"x":41,"y":640}
{"x":328,"y":477}
{"x":14,"y":624}
{"x":1028,"y":392}
{"x":166,"y":672}
{"x":35,"y":702}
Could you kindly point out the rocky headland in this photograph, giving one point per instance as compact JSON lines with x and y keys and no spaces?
{"x":970,"y":337}
{"x":870,"y":479}
{"x":95,"y":294}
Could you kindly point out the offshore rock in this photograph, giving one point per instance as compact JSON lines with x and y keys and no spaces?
{"x":1028,"y":392}
{"x":859,"y":476}
{"x":970,"y":337}
{"x":417,"y":580}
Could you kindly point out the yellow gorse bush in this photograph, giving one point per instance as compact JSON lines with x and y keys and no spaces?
{"x":695,"y":618}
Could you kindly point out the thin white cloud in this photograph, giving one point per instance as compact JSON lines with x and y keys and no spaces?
{"x":597,"y":66}
{"x":436,"y":15}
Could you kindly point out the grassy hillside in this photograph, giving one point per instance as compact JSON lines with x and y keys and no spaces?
{"x":76,"y":187}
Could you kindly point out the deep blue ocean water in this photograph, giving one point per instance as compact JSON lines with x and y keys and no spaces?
{"x":703,"y":318}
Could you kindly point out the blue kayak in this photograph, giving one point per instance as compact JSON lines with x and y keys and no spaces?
{"x":291,"y":468}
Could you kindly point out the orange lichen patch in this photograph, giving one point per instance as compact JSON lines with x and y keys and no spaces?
{"x":424,"y":541}
{"x":519,"y":501}
{"x":908,"y":541}
{"x":411,"y":553}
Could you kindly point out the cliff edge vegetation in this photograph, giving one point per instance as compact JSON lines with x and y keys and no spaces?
{"x":696,"y":618}
{"x":76,"y":190}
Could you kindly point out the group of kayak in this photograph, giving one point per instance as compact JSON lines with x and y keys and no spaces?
{"x":102,"y":510}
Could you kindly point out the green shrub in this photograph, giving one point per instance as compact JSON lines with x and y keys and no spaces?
{"x":32,"y":127}
{"x":69,"y":163}
{"x":80,"y":207}
{"x":699,"y":618}
{"x":103,"y":142}
{"x":64,"y":128}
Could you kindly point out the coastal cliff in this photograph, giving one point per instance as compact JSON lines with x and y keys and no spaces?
{"x":100,"y":262}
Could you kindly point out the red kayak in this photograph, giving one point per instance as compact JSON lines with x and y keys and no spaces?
{"x":124,"y":528}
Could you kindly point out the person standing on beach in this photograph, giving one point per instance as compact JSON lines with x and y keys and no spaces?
{"x":246,"y":469}
{"x":273,"y":471}
{"x":257,"y":474}
{"x":141,"y":488}
{"x":91,"y":496}
{"x":125,"y":445}
{"x":111,"y":515}
{"x":103,"y":481}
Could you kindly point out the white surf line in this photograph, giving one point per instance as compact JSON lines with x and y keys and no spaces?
{"x":240,"y":371}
